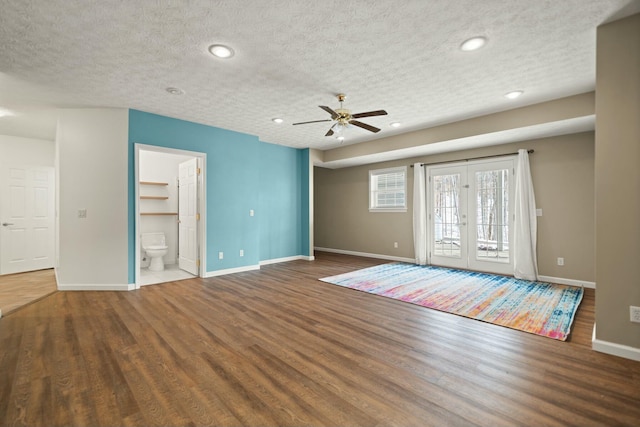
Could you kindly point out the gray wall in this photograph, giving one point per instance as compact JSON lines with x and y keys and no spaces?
{"x":618,"y":181}
{"x":92,"y":163}
{"x":563,"y":174}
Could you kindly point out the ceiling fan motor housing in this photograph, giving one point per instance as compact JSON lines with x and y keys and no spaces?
{"x":344,"y":115}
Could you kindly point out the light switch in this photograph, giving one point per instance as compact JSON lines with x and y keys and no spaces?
{"x":538,"y":212}
{"x":82,"y":213}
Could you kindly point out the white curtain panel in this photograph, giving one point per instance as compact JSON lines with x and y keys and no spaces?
{"x":419,"y":214}
{"x":525,"y":263}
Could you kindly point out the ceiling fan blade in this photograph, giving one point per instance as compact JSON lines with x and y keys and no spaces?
{"x":369,"y":114}
{"x":329,"y":133}
{"x":334,"y":115}
{"x":364,"y":126}
{"x":313,"y":121}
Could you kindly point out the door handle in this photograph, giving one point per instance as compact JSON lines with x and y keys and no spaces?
{"x":4,"y":224}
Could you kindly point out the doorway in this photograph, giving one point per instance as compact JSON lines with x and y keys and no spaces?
{"x":471,"y":215}
{"x":170,"y":205}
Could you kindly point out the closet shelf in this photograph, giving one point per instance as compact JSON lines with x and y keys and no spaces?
{"x":154,"y":197}
{"x":153,"y":183}
{"x":158,"y":213}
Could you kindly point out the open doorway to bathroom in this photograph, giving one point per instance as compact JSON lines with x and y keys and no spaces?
{"x":170,"y":214}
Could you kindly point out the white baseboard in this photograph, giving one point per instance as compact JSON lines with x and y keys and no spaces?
{"x":96,"y":287}
{"x":570,"y":282}
{"x":287,"y":259}
{"x":367,"y":255}
{"x":257,"y":267}
{"x":92,"y":286}
{"x":232,"y":270}
{"x":612,"y":348}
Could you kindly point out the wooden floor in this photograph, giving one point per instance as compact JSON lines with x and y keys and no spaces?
{"x":277,"y":347}
{"x":17,"y":290}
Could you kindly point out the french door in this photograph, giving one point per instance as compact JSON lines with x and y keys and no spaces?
{"x":470,"y":217}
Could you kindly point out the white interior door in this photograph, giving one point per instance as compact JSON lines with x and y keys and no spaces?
{"x":471,"y":215}
{"x":188,"y":216}
{"x":27,"y":218}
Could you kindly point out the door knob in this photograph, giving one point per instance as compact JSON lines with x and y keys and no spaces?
{"x":4,"y":224}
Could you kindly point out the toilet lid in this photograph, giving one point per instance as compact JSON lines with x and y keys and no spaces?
{"x":155,"y":247}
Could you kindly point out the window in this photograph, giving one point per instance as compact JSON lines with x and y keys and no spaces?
{"x":387,"y":190}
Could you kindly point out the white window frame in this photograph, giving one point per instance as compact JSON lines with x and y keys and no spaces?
{"x":372,"y":199}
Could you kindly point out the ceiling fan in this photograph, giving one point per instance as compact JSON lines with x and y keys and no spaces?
{"x":343,"y":117}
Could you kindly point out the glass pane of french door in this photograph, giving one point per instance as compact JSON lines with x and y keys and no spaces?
{"x":492,"y":214}
{"x":490,"y":187}
{"x":448,"y":217}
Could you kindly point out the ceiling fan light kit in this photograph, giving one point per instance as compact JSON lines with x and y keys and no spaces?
{"x":343,"y":119}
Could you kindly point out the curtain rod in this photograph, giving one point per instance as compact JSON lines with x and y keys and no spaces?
{"x":472,"y":158}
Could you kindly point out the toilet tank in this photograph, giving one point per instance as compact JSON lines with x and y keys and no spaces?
{"x":153,"y":239}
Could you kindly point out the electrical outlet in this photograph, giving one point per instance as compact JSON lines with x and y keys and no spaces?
{"x":220,"y":255}
{"x":634,"y":313}
{"x":395,"y":245}
{"x":82,"y":213}
{"x":560,"y":261}
{"x":241,"y":252}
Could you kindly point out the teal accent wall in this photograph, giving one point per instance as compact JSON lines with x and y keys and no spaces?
{"x":280,"y":202}
{"x":242,"y":174}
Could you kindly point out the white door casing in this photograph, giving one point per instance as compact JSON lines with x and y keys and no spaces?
{"x":188,"y":216}
{"x":470,"y":216}
{"x":27,"y":218}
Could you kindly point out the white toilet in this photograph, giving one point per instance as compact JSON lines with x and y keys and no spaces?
{"x":155,"y":245}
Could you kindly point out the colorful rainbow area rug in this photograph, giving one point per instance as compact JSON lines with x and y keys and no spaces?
{"x":539,"y":308}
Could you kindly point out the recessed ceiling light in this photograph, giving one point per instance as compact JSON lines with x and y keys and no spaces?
{"x":473,"y":43}
{"x":221,"y":51}
{"x":277,"y":120}
{"x":395,"y":124}
{"x":175,"y":91}
{"x":514,"y":94}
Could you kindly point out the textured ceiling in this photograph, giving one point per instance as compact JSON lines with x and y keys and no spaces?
{"x":292,"y":55}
